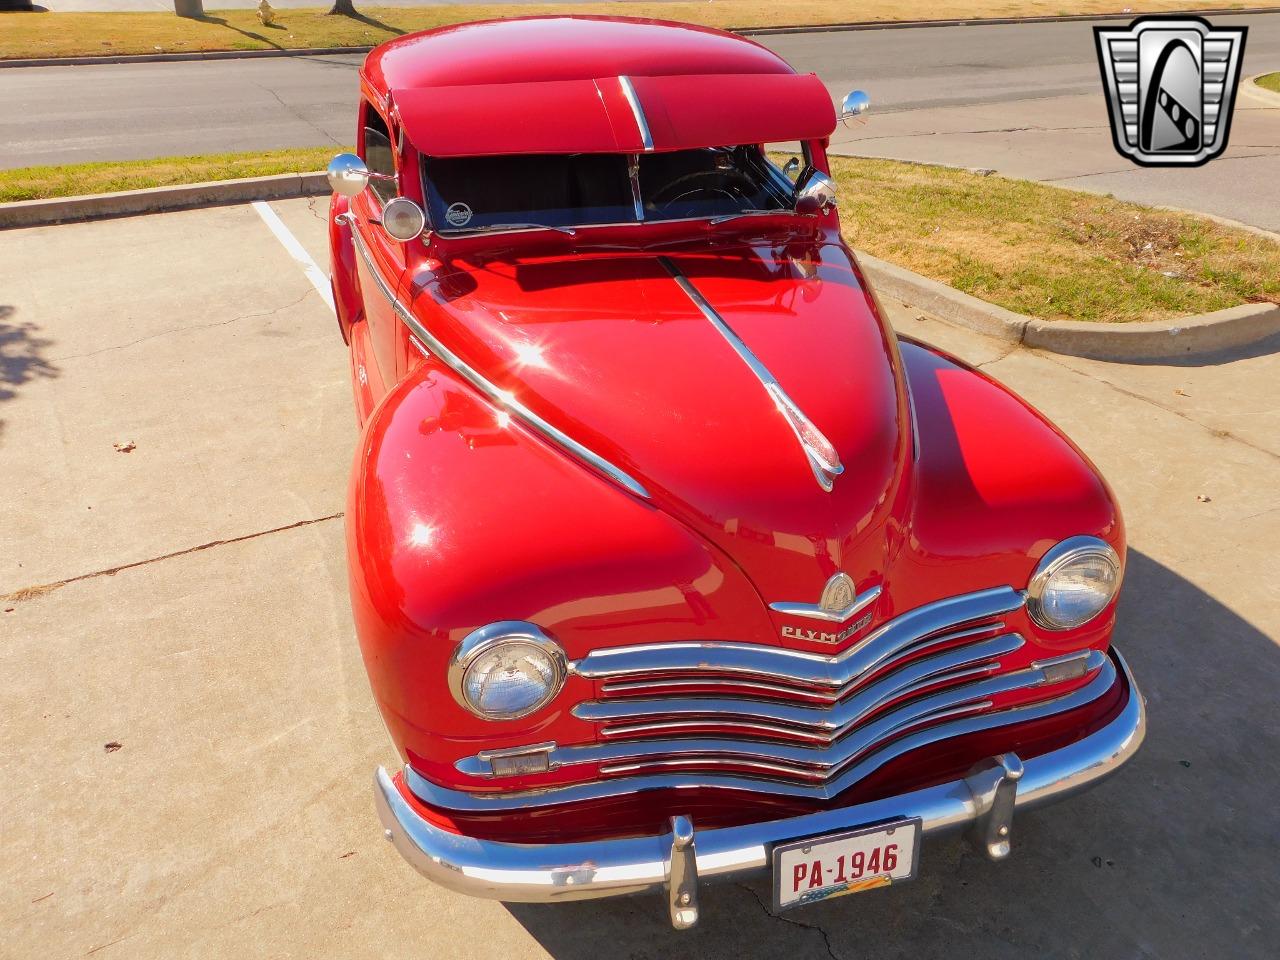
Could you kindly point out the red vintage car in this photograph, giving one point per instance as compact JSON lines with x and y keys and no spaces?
{"x":669,"y":559}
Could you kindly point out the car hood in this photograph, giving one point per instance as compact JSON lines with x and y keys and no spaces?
{"x":611,"y":350}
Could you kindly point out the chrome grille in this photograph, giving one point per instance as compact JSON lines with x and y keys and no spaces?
{"x":816,"y":723}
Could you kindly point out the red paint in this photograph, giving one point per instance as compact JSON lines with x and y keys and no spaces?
{"x":459,"y":515}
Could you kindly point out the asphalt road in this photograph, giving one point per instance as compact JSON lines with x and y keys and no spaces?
{"x":1024,"y":99}
{"x":187,"y":601}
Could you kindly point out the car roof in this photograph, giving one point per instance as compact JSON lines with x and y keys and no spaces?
{"x":559,"y":48}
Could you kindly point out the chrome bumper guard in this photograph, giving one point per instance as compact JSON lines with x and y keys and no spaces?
{"x":675,"y":861}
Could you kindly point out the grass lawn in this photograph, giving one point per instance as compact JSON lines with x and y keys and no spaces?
{"x":35,"y":183}
{"x":1050,"y":253}
{"x":88,"y":34}
{"x":1047,"y":252}
{"x":1270,"y":81}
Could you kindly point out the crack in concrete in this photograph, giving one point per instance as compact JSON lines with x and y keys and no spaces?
{"x":39,"y":590}
{"x":198,"y":326}
{"x":1215,"y":431}
{"x":965,"y":133}
{"x":298,"y":116}
{"x":795,"y":923}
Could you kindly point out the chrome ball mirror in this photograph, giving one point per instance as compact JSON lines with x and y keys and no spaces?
{"x":856,"y":104}
{"x":403,"y":219}
{"x":347,"y":174}
{"x":816,"y":193}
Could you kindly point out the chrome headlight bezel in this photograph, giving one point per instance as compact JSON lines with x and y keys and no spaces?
{"x":1060,"y":557}
{"x":505,"y":633}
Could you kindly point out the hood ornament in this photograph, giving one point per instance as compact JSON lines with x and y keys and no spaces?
{"x":839,"y":602}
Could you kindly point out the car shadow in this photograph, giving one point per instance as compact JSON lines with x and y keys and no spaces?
{"x":1173,"y":857}
{"x":21,"y":356}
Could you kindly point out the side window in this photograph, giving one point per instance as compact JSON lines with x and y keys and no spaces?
{"x":379,"y":155}
{"x":790,"y":159}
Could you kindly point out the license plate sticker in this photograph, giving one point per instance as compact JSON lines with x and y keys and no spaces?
{"x":820,"y":868}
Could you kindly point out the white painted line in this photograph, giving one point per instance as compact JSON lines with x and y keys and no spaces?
{"x":295,"y":250}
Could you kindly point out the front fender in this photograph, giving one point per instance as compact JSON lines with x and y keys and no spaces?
{"x":458,"y":517}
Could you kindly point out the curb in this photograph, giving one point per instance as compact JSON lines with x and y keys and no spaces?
{"x":127,"y":203}
{"x":1206,"y":333}
{"x":1259,"y":93}
{"x":1154,"y":340}
{"x":743,"y":31}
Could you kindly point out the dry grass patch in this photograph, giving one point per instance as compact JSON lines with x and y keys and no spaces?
{"x":1051,"y":253}
{"x":89,"y":34}
{"x":34,"y":183}
{"x":1270,"y":81}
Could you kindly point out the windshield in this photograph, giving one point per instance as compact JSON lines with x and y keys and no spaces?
{"x":568,"y":190}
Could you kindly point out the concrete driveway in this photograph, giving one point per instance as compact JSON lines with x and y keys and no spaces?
{"x":187,"y":601}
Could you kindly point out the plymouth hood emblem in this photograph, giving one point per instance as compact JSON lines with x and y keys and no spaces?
{"x":839,"y":603}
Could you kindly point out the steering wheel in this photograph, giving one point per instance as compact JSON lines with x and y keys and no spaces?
{"x":729,"y":184}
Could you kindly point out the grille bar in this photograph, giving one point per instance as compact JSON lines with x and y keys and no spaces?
{"x":773,"y":784}
{"x":952,"y":665}
{"x":905,"y":635}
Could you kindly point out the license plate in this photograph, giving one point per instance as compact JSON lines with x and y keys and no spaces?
{"x":823,"y":867}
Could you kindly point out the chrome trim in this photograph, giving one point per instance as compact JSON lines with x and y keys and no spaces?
{"x":817,"y":611}
{"x":633,"y":174}
{"x":498,"y":634}
{"x":629,"y":91}
{"x":546,"y":872}
{"x":771,"y":664}
{"x":825,"y":470}
{"x":1059,"y":556}
{"x":497,"y":396}
{"x":951,"y":665}
{"x":833,"y":769}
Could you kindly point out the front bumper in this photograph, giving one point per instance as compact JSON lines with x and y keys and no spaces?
{"x":674,"y":861}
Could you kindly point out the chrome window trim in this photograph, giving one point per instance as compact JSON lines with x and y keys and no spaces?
{"x":642,"y":123}
{"x":815,"y":611}
{"x":1105,"y":678}
{"x":499,"y":633}
{"x":834,"y":670}
{"x":825,"y":473}
{"x":490,"y":391}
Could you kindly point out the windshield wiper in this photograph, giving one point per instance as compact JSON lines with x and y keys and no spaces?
{"x":724,"y":218}
{"x":489,"y":227}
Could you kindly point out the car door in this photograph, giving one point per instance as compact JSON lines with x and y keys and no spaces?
{"x":381,"y":265}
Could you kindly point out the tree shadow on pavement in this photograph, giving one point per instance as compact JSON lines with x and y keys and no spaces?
{"x":21,"y":356}
{"x":220,"y":21}
{"x":1173,"y":857}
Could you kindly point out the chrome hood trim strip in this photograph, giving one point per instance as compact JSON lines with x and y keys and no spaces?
{"x":824,"y":670}
{"x":818,"y":450}
{"x":642,"y":122}
{"x":501,"y":398}
{"x":841,"y":778}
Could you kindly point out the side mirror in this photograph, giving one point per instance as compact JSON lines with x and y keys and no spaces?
{"x":348,"y":174}
{"x":403,"y":219}
{"x":792,"y":169}
{"x":854,"y":105}
{"x":815,"y":193}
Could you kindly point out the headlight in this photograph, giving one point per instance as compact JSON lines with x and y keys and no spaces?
{"x":506,"y":670}
{"x":1073,"y":583}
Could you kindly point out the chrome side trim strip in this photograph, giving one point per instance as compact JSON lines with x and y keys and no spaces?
{"x":822,"y":456}
{"x":815,"y":611}
{"x":841,"y":775}
{"x":497,"y":396}
{"x":633,"y":101}
{"x":900,"y":635}
{"x":599,"y":868}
